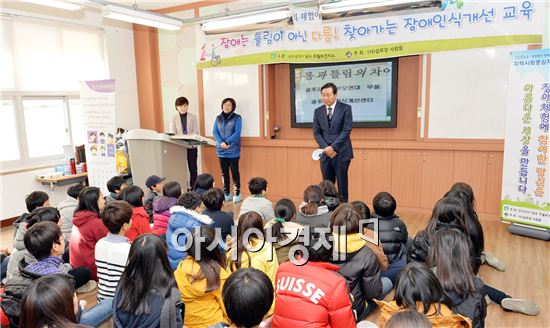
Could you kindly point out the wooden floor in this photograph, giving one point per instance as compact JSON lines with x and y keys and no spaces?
{"x":527,"y":274}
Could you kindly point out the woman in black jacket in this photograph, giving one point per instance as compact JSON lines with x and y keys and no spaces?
{"x":449,"y":257}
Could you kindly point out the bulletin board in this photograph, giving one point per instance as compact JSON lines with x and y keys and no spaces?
{"x":468,"y":93}
{"x":240,"y":83}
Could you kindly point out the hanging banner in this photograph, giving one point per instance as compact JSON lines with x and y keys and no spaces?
{"x":98,"y":111}
{"x":525,"y":187}
{"x":457,"y":25}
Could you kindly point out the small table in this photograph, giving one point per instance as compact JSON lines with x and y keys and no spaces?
{"x":64,"y":180}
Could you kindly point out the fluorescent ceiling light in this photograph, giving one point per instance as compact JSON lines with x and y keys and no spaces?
{"x":141,"y":17}
{"x":241,"y":20}
{"x":66,"y":5}
{"x":348,"y":5}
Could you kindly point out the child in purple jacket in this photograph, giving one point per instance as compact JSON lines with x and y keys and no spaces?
{"x":161,"y":206}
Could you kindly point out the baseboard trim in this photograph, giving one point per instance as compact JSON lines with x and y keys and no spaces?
{"x":8,"y":222}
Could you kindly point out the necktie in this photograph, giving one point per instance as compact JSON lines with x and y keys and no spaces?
{"x":329,"y":113}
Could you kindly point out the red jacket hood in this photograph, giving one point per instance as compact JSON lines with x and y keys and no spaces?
{"x":82,"y":217}
{"x":140,"y":211}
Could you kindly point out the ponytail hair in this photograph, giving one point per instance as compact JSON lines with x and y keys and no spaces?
{"x":313,"y":197}
{"x":285,"y":210}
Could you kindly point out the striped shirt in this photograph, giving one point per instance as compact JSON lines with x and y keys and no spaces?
{"x":111,"y":255}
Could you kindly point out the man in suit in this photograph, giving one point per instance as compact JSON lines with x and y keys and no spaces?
{"x":332,"y":125}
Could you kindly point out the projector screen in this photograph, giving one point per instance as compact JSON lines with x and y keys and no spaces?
{"x":370,"y":87}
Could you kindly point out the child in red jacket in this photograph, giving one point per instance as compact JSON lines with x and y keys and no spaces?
{"x":87,"y":229}
{"x":310,"y":292}
{"x":133,"y":195}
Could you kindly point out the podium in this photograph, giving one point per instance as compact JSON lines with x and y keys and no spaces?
{"x":156,"y":153}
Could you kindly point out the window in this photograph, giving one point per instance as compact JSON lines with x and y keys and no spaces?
{"x":8,"y":132}
{"x":42,"y":64}
{"x":45,"y":126}
{"x":77,"y":122}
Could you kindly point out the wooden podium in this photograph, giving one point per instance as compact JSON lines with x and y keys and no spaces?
{"x":153,"y":153}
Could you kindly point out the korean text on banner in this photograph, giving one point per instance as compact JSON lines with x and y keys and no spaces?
{"x":98,"y":109}
{"x":525,"y":187}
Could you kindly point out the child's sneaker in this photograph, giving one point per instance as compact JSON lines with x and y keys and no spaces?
{"x":87,"y":287}
{"x":493,"y":261}
{"x":520,"y":306}
{"x":228,"y":197}
{"x":236,"y":199}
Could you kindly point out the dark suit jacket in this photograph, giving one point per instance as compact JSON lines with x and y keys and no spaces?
{"x":338,"y":136}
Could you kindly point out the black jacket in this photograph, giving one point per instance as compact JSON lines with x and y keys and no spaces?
{"x":165,"y":312}
{"x":362,"y":274}
{"x":222,"y":220}
{"x":393,"y":236}
{"x":337,"y":134}
{"x":15,"y":289}
{"x":471,"y":306}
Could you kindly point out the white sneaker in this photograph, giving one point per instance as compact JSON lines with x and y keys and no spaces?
{"x":493,"y":261}
{"x":520,"y":306}
{"x":87,"y":287}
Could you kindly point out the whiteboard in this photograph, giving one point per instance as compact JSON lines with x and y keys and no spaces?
{"x":237,"y":82}
{"x":468,"y":93}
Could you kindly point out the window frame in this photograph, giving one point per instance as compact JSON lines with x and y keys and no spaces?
{"x":25,"y":161}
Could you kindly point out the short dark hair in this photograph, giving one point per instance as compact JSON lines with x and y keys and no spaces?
{"x":172,"y":189}
{"x":190,"y":200}
{"x":39,"y":239}
{"x":36,"y":199}
{"x":133,"y":195}
{"x":318,"y":239}
{"x":115,"y":214}
{"x":213,"y":199}
{"x":330,"y":85}
{"x":384,"y":204}
{"x":362,"y":208}
{"x":74,"y":190}
{"x":257,"y":185}
{"x":115,"y":183}
{"x":247,"y":296}
{"x":204,"y":181}
{"x":181,"y":101}
{"x":43,"y":214}
{"x":345,"y":216}
{"x":232,"y":101}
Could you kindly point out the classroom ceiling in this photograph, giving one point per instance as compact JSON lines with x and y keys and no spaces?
{"x":152,"y":5}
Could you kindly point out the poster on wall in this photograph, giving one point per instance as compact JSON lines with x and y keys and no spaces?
{"x":98,"y":110}
{"x":525,"y":187}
